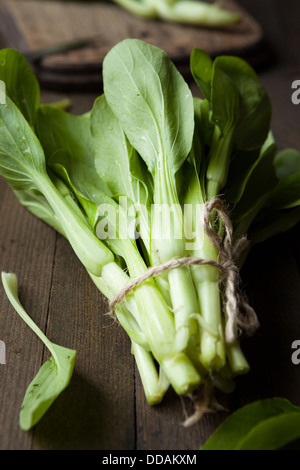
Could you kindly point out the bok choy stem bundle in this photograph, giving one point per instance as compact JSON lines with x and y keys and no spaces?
{"x":127,"y":185}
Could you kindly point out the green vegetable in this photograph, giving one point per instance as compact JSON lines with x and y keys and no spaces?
{"x":268,"y":424}
{"x":24,"y":92}
{"x":181,"y":11}
{"x":241,"y":111}
{"x":22,"y":163}
{"x":54,"y":375}
{"x":163,"y":141}
{"x":127,"y":185}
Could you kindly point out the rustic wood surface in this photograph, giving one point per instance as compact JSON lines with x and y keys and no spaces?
{"x":104,"y":406}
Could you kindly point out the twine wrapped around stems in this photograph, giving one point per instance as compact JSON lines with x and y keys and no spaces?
{"x":238,"y":311}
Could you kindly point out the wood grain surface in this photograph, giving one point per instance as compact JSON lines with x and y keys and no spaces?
{"x":104,"y":406}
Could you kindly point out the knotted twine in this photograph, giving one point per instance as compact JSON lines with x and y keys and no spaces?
{"x":238,"y":312}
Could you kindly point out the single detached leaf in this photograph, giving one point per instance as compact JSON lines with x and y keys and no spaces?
{"x":264,"y":424}
{"x":54,"y":375}
{"x":152,"y":101}
{"x":52,"y":378}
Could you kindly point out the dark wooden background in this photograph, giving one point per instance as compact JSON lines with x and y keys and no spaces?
{"x":104,"y":406}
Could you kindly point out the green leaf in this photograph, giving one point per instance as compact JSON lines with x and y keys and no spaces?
{"x":21,"y":83}
{"x":286,"y":194}
{"x":265,"y":209}
{"x":260,"y":183}
{"x":128,"y":175}
{"x":242,"y":166}
{"x":152,"y":101}
{"x":22,"y":163}
{"x":21,"y":155}
{"x":52,"y":378}
{"x":263,"y":425}
{"x":239,"y":100}
{"x":54,"y":375}
{"x":286,"y":163}
{"x":61,"y":131}
{"x":73,"y":155}
{"x":202,"y":70}
{"x":273,"y":223}
{"x":241,"y":112}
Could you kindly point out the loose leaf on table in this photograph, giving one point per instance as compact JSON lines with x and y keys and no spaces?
{"x":54,"y":375}
{"x":267,"y":424}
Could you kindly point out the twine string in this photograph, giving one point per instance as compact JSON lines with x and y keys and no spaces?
{"x":238,"y":312}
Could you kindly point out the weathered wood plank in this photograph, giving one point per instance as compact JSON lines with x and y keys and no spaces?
{"x":27,"y":248}
{"x":161,"y":427}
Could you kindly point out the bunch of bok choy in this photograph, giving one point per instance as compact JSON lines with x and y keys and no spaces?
{"x":127,"y":184}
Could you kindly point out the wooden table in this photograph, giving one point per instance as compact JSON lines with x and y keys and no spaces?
{"x":104,"y":406}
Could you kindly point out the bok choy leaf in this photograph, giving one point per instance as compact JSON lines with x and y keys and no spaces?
{"x":54,"y":375}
